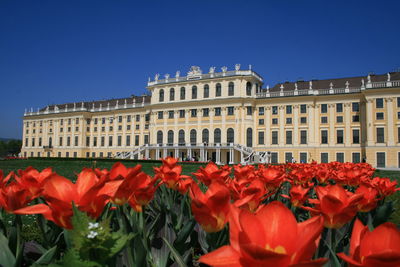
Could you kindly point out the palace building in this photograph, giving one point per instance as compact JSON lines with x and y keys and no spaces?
{"x":229,"y":117}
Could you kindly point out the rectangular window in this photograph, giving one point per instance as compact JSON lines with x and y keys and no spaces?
{"x":146,"y":139}
{"x":340,"y":157}
{"x":379,"y":116}
{"x":217,"y":111}
{"x":398,"y":115}
{"x":303,"y":157}
{"x":261,"y":111}
{"x":111,"y":128}
{"x":40,"y":141}
{"x":67,"y":154}
{"x":303,"y":120}
{"x":356,"y":118}
{"x":303,"y":108}
{"x":274,"y":110}
{"x":93,"y":154}
{"x":160,"y":115}
{"x":103,"y":141}
{"x":128,"y":118}
{"x":110,"y":140}
{"x":137,"y":126}
{"x":128,"y":127}
{"x":182,"y":113}
{"x":249,"y":110}
{"x":136,"y":140}
{"x":261,"y":138}
{"x":94,"y":141}
{"x":380,"y":159}
{"x":339,"y":136}
{"x":274,"y":121}
{"x":230,"y":110}
{"x":206,"y":112}
{"x":288,"y":157}
{"x":128,"y":140}
{"x":60,"y":141}
{"x":119,"y":119}
{"x":339,"y":119}
{"x":379,"y":103}
{"x":339,"y":107}
{"x":324,"y":137}
{"x":87,"y":140}
{"x":119,"y":127}
{"x":119,"y":140}
{"x":303,"y":137}
{"x":75,"y":154}
{"x":356,"y":157}
{"x":288,"y":137}
{"x":356,"y":136}
{"x":261,"y":121}
{"x":355,"y":107}
{"x":274,"y":135}
{"x":398,"y":102}
{"x":95,"y":121}
{"x":103,"y":120}
{"x":398,"y":135}
{"x":324,"y":157}
{"x":274,"y":157}
{"x":147,"y":117}
{"x":101,"y":154}
{"x":193,"y":113}
{"x":380,"y":135}
{"x":170,"y":114}
{"x":288,"y":120}
{"x":324,"y":108}
{"x":324,"y":119}
{"x":289,"y":109}
{"x":26,"y":142}
{"x":68,"y":141}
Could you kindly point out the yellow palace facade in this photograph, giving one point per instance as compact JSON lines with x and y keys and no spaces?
{"x":228,"y":116}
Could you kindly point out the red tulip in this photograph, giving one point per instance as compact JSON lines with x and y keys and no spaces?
{"x":385,"y":186}
{"x":212,"y":173}
{"x":13,"y":196}
{"x":33,"y":180}
{"x":369,"y":200}
{"x":211,"y":209}
{"x":273,"y":176}
{"x":252,"y":195}
{"x":171,"y":175}
{"x":297,"y":195}
{"x":381,"y":247}
{"x":271,"y":237}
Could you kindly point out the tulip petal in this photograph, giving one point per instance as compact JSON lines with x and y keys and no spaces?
{"x":224,"y":256}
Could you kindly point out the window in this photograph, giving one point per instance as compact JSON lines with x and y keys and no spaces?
{"x":119,"y":119}
{"x":261,"y":111}
{"x":183,"y":93}
{"x":356,"y":136}
{"x":170,"y":137}
{"x":379,"y":103}
{"x":95,"y":121}
{"x":206,"y":112}
{"x":217,"y":111}
{"x":231,"y":89}
{"x":303,"y":120}
{"x":40,"y":141}
{"x":355,"y":107}
{"x":103,"y":120}
{"x":137,"y":118}
{"x":217,"y":136}
{"x":67,"y":154}
{"x":261,"y":138}
{"x":147,"y":117}
{"x":303,"y":108}
{"x":103,"y":141}
{"x":288,"y":137}
{"x":248,"y":88}
{"x":324,"y":157}
{"x":181,"y":137}
{"x":303,"y":157}
{"x":119,"y":140}
{"x":249,"y":110}
{"x":62,"y":129}
{"x":218,"y":89}
{"x":339,"y":136}
{"x":111,"y":128}
{"x":274,"y":121}
{"x":230,"y":136}
{"x":137,"y":126}
{"x":193,"y":137}
{"x":182,"y":113}
{"x":356,"y":118}
{"x":230,"y":111}
{"x":205,"y":136}
{"x":324,"y":108}
{"x":68,"y":141}
{"x":206,"y":91}
{"x":87,"y":140}
{"x":288,"y":156}
{"x":261,"y":121}
{"x":398,"y":135}
{"x":161,"y":96}
{"x":62,"y":121}
{"x":76,"y":129}
{"x":380,"y":160}
{"x":288,"y":120}
{"x":356,"y":157}
{"x":324,"y":137}
{"x":274,"y":157}
{"x":193,"y":113}
{"x":339,"y":119}
{"x":146,"y":139}
{"x":380,"y":135}
{"x":379,"y":116}
{"x":128,"y":140}
{"x":194,"y":92}
{"x":159,"y":137}
{"x":110,"y":140}
{"x":324,"y":119}
{"x":136,"y":140}
{"x":289,"y":109}
{"x":160,"y":115}
{"x":172,"y":94}
{"x":398,"y":115}
{"x":249,"y":137}
{"x":128,"y":118}
{"x":274,"y":110}
{"x":119,"y":127}
{"x":60,"y":141}
{"x":303,"y":137}
{"x":340,"y":157}
{"x":274,"y":135}
{"x":170,"y":114}
{"x":339,"y":107}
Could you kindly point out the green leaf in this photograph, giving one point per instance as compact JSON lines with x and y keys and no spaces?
{"x":383,"y":213}
{"x":47,"y":257}
{"x":184,"y":233}
{"x":7,"y":258}
{"x":175,"y":254}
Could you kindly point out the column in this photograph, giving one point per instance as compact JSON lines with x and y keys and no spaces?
{"x":347,"y":123}
{"x":331,"y":120}
{"x":389,"y":121}
{"x":231,"y":156}
{"x":370,"y":123}
{"x":281,"y":125}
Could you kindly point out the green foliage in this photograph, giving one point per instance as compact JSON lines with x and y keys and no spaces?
{"x":10,"y":147}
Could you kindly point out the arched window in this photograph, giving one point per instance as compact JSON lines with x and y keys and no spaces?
{"x":230,"y":136}
{"x":181,"y":137}
{"x":194,"y":92}
{"x":171,"y":94}
{"x":217,"y":136}
{"x":193,"y":137}
{"x":170,"y":137}
{"x":248,"y":88}
{"x":183,"y":93}
{"x":159,"y":137}
{"x":249,"y":137}
{"x":218,"y":89}
{"x":161,"y":96}
{"x":206,"y":91}
{"x":231,"y":89}
{"x":205,"y":136}
{"x":50,"y":142}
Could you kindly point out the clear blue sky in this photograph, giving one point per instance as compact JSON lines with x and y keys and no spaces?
{"x":66,"y":51}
